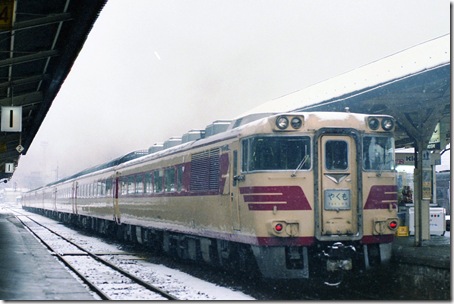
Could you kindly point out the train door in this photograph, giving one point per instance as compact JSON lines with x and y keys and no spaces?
{"x":115,"y":198}
{"x":54,"y":197}
{"x":74,"y":197}
{"x":338,"y":212}
{"x":235,"y":192}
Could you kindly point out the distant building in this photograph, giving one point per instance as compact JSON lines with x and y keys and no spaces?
{"x":11,"y":195}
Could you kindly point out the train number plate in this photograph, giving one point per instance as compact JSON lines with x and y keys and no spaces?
{"x":337,"y":200}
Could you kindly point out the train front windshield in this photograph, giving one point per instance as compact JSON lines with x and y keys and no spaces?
{"x":276,"y":153}
{"x":378,"y":153}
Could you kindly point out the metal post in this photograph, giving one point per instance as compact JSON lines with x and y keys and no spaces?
{"x":422,"y":176}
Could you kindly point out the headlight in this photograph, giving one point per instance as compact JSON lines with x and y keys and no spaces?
{"x":387,"y":124}
{"x":296,"y":122}
{"x":373,"y":123}
{"x":282,"y":122}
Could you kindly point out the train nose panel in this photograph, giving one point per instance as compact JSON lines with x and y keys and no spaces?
{"x":338,"y":226}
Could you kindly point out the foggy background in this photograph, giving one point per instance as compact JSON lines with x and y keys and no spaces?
{"x":152,"y":69}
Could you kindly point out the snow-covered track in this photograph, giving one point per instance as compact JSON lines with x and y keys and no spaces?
{"x":109,"y":281}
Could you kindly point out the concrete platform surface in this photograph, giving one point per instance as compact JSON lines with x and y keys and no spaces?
{"x":435,"y":252}
{"x":29,"y":272}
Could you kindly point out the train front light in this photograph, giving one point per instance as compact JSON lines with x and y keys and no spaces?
{"x":283,"y":228}
{"x":393,"y":224}
{"x":278,"y":227}
{"x":385,"y":225}
{"x":282,"y":122}
{"x":373,"y":123}
{"x":387,"y":124}
{"x":296,"y":122}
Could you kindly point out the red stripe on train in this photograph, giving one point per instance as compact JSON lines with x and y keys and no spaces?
{"x":381,"y":196}
{"x":283,"y":197}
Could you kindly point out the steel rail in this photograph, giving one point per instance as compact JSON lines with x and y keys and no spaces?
{"x":95,"y":289}
{"x":99,"y":259}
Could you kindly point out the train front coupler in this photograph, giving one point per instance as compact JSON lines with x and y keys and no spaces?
{"x":339,"y":257}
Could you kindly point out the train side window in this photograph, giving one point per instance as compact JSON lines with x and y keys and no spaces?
{"x":124,"y":186}
{"x":148,"y":183}
{"x":131,"y":184}
{"x":109,"y":187}
{"x":102,"y":188}
{"x":169,"y":179}
{"x":157,"y":181}
{"x":139,"y":184}
{"x":336,"y":155}
{"x":180,"y":171}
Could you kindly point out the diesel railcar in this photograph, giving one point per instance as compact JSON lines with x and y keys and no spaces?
{"x":298,"y":195}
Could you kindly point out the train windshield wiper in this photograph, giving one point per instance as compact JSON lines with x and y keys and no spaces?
{"x":301,"y":164}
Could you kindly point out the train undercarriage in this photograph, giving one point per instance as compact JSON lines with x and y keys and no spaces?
{"x":329,"y":263}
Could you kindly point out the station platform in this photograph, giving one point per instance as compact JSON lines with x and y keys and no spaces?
{"x":435,"y":252}
{"x":29,"y":272}
{"x":421,"y":272}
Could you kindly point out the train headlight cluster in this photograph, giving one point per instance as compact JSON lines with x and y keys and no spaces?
{"x":278,"y":227}
{"x":296,"y":122}
{"x":373,"y":123}
{"x":386,"y":123}
{"x":283,"y":228}
{"x":289,"y":122}
{"x":385,"y":225}
{"x":393,"y":224}
{"x":282,"y":122}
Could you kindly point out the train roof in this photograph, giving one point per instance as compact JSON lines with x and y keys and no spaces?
{"x":217,"y":130}
{"x":114,"y":162}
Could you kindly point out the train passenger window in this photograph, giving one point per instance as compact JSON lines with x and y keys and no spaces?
{"x":378,"y":153}
{"x":336,"y":155}
{"x":109,"y":187}
{"x":169,"y":179}
{"x":148,"y":183}
{"x":157,"y":181}
{"x":101,"y":188}
{"x":131,"y":185}
{"x":276,"y":153}
{"x":124,"y":186}
{"x":139,"y":184}
{"x":180,"y":186}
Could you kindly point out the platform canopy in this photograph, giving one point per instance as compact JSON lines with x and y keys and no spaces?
{"x":39,"y":42}
{"x":413,"y":85}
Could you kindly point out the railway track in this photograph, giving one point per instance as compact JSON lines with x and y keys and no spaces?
{"x":105,"y":279}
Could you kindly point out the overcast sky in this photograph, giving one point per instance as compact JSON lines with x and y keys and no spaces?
{"x":152,"y":69}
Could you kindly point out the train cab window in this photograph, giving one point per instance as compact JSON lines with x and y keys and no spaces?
{"x":378,"y":153}
{"x":336,"y":155}
{"x":276,"y":153}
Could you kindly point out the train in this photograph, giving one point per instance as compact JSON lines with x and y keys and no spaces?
{"x":297,"y":195}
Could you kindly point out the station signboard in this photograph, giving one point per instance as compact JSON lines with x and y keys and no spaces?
{"x":6,"y":14}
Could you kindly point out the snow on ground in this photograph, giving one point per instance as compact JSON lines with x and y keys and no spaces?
{"x":182,"y":285}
